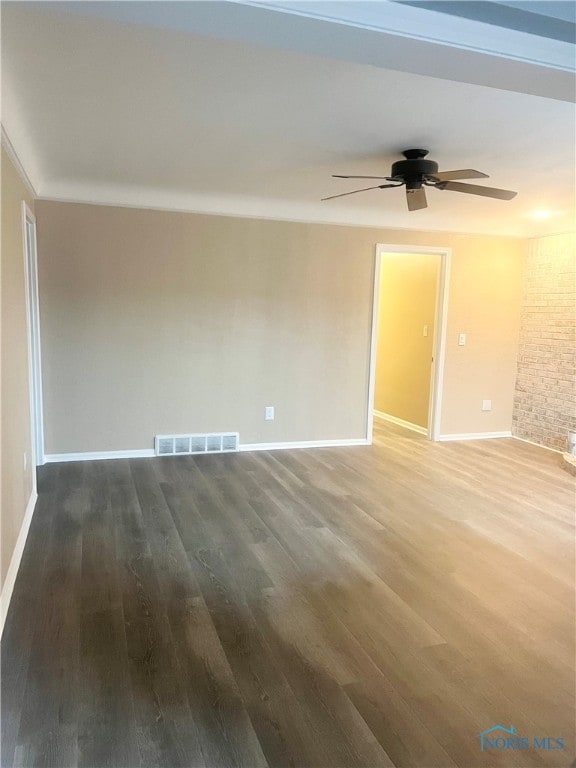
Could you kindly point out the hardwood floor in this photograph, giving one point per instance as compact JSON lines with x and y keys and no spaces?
{"x":348,"y":607}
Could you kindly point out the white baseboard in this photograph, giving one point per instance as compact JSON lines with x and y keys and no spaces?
{"x":538,"y":445}
{"x":146,"y":453}
{"x":304,"y":444}
{"x":400,"y":422}
{"x":12,"y":572}
{"x":138,"y":453}
{"x":474,"y":436}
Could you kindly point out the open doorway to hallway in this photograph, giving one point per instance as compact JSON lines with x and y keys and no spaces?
{"x":410,"y":302}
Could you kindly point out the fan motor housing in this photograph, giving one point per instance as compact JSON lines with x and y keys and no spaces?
{"x":414,"y":170}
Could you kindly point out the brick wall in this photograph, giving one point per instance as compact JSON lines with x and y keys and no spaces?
{"x":545,"y":397}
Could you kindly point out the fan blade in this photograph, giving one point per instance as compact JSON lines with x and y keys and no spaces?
{"x":465,"y":173}
{"x":379,"y":186}
{"x":338,"y":176}
{"x":416,"y":199}
{"x":474,"y":189}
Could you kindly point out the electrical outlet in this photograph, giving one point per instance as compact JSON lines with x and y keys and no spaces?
{"x":269,"y":413}
{"x":486,"y":405}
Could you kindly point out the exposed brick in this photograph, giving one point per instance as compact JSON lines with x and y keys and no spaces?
{"x":545,"y":399}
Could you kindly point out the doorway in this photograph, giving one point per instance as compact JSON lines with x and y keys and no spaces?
{"x":33,"y":327}
{"x":408,"y":330}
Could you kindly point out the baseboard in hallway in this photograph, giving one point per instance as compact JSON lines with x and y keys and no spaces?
{"x":400,"y":422}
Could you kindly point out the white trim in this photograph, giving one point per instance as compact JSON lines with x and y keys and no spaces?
{"x":115,"y":202}
{"x":400,"y":422}
{"x":17,"y":553}
{"x":15,"y":160}
{"x":439,"y":341}
{"x":148,"y":453}
{"x":439,"y":345}
{"x":33,"y":339}
{"x":303,"y":444}
{"x":137,"y":453}
{"x":474,"y":436}
{"x":538,"y":445}
{"x":373,"y":345}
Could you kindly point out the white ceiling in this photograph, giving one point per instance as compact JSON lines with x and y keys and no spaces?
{"x":195,"y":106}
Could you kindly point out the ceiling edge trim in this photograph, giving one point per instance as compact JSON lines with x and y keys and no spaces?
{"x":16,"y":162}
{"x":277,"y":217}
{"x":553,"y":234}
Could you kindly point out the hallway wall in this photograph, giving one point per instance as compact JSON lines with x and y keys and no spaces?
{"x":407,"y":303}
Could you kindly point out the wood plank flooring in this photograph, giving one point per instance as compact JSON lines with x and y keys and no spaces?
{"x":329,"y":608}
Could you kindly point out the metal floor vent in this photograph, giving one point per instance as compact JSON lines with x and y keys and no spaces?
{"x":212,"y":442}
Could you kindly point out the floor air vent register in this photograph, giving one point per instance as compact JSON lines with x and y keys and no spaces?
{"x":212,"y":442}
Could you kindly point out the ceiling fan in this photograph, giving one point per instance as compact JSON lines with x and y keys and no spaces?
{"x":415,"y":173}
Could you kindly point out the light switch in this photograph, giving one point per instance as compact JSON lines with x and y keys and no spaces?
{"x":461,"y":339}
{"x":269,"y":413}
{"x":425,"y":331}
{"x":486,"y":405}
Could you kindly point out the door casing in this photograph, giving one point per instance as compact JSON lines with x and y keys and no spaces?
{"x":439,"y":342}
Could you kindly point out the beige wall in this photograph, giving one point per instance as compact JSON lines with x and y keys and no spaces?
{"x":15,"y":408}
{"x":156,"y":322}
{"x":484,"y":302}
{"x":545,"y":400}
{"x":407,"y":303}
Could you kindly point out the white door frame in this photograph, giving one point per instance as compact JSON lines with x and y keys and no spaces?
{"x":33,"y":333}
{"x":439,"y":341}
